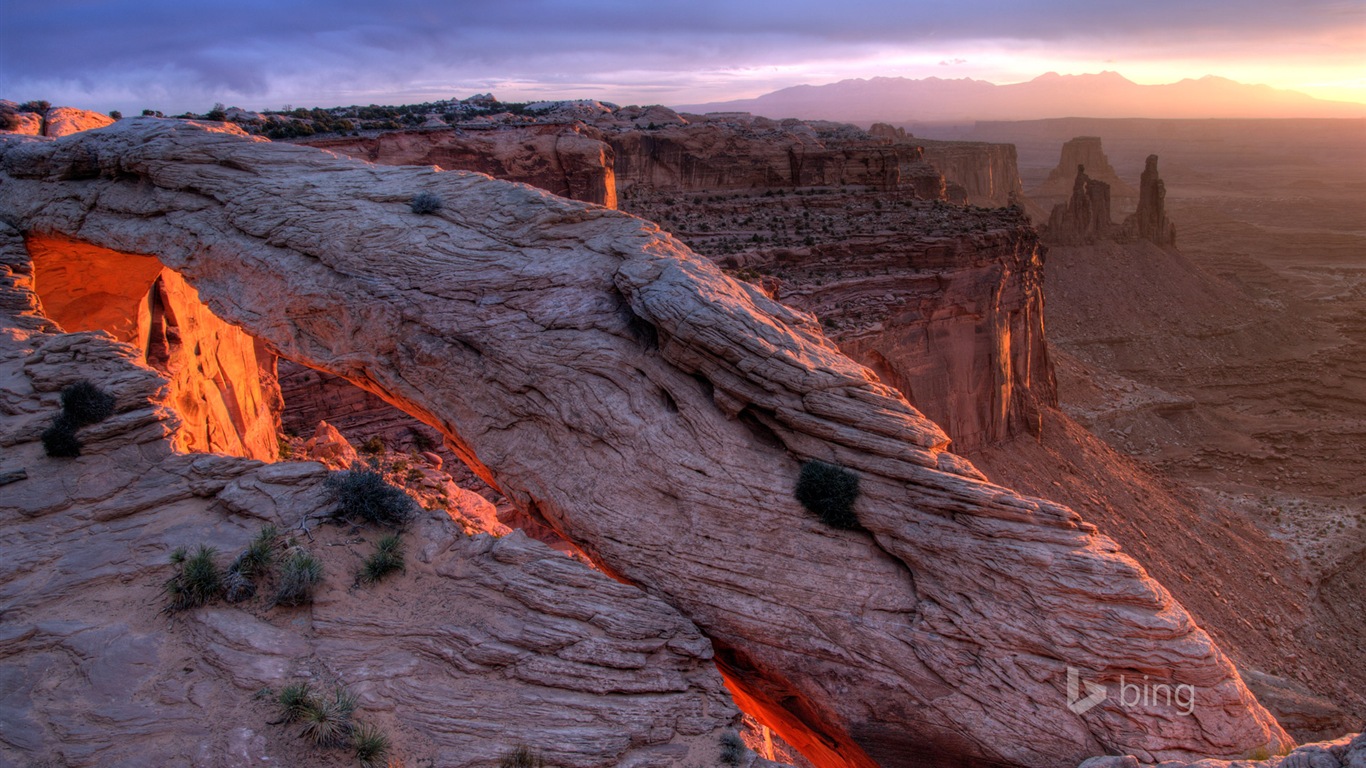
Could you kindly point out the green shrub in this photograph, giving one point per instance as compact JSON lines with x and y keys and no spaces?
{"x":294,"y":700}
{"x":259,"y":555}
{"x":732,"y":748}
{"x":300,"y":573}
{"x":364,"y":494}
{"x":522,"y":757}
{"x":237,"y":586}
{"x":373,"y":444}
{"x":84,"y":403}
{"x":196,"y":581}
{"x":830,"y":491}
{"x":59,"y":440}
{"x":371,"y":745}
{"x":327,"y":721}
{"x":387,"y":558}
{"x":424,"y":203}
{"x":254,"y":562}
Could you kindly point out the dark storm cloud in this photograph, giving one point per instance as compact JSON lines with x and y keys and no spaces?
{"x":245,"y":47}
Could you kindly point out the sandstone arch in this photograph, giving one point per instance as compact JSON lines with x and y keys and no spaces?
{"x":655,"y":413}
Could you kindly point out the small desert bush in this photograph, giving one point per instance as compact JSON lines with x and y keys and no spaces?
{"x":253,"y":563}
{"x":522,"y":757}
{"x":370,"y":744}
{"x":830,"y":491}
{"x":299,"y":574}
{"x":387,"y":558}
{"x":327,"y":720}
{"x":196,"y":581}
{"x":259,"y":556}
{"x":424,"y":203}
{"x":732,"y":748}
{"x":84,"y":403}
{"x":364,"y":494}
{"x":60,"y":441}
{"x":295,"y":699}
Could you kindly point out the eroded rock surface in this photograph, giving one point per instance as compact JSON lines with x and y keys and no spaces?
{"x":480,"y":645}
{"x":1085,"y":151}
{"x":657,"y":413}
{"x":573,"y":161}
{"x":1150,"y":221}
{"x":223,"y":382}
{"x":1085,"y":218}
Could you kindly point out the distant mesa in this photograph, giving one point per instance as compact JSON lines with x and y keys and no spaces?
{"x":1084,"y":151}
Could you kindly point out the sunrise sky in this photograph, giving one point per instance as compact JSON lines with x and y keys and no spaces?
{"x":184,"y":56}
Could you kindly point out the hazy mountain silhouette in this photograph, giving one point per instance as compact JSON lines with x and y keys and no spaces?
{"x":1107,"y":94}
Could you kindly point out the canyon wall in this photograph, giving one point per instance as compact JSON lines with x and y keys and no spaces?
{"x":571,"y":160}
{"x":623,"y":390}
{"x":946,"y":312}
{"x":988,"y":173}
{"x":745,"y":153}
{"x":1084,"y":151}
{"x":1085,"y":217}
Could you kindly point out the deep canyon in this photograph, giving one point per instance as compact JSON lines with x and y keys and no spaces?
{"x":639,"y":388}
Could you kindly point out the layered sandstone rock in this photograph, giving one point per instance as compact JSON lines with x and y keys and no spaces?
{"x":53,"y":122}
{"x":1085,"y":151}
{"x":1085,"y":218}
{"x":622,"y":389}
{"x":570,"y":160}
{"x":744,"y":152}
{"x":1150,"y":221}
{"x":481,"y":645}
{"x":988,"y":173}
{"x":944,"y":302}
{"x":64,"y":121}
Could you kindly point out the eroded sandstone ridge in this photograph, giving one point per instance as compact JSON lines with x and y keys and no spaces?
{"x":454,"y":659}
{"x":570,"y":160}
{"x":657,"y":413}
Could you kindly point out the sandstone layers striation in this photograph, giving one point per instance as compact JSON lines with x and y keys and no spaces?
{"x":480,"y":645}
{"x":656,"y":413}
{"x":570,"y":160}
{"x":946,"y":304}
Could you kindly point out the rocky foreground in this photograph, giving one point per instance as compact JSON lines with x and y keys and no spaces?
{"x":653,"y":412}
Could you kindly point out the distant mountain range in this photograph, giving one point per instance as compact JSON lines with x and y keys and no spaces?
{"x":1107,"y":94}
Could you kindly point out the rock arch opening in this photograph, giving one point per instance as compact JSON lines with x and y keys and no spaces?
{"x":222,"y":380}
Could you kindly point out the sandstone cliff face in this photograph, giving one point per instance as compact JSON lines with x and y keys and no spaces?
{"x":1085,"y":218}
{"x":570,"y":160}
{"x":455,"y":658}
{"x":1085,"y":151}
{"x":613,"y":383}
{"x":755,"y":153}
{"x":945,"y":303}
{"x":222,"y":381}
{"x":1150,"y":221}
{"x":988,"y":173}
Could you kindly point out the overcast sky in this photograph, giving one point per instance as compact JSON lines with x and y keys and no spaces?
{"x":178,"y":55}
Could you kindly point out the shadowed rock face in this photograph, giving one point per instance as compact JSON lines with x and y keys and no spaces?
{"x":1085,"y":217}
{"x":657,"y":413}
{"x":1150,"y":221}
